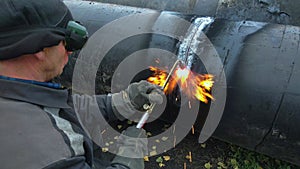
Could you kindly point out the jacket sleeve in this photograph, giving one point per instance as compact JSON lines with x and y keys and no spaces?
{"x":105,"y":106}
{"x":94,"y":113}
{"x":93,"y":106}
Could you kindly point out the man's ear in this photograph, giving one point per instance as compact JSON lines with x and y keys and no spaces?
{"x":41,"y":55}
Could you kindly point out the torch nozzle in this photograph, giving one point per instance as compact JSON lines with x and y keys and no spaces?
{"x":177,"y":63}
{"x":150,"y":107}
{"x":181,"y":64}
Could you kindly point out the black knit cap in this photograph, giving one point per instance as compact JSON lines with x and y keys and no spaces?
{"x":28,"y":26}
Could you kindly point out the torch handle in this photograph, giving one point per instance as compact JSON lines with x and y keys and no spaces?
{"x":145,"y":116}
{"x":170,"y":74}
{"x":143,"y":120}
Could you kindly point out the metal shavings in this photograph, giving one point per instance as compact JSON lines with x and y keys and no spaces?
{"x":189,"y":157}
{"x":174,"y":127}
{"x":193,"y":129}
{"x":174,"y":143}
{"x":103,"y":131}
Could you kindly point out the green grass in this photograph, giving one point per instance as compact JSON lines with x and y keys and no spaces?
{"x":240,"y":158}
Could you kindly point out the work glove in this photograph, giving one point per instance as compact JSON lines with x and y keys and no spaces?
{"x":133,"y":99}
{"x":132,"y":148}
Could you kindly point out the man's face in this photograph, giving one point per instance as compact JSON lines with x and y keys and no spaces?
{"x":56,"y":59}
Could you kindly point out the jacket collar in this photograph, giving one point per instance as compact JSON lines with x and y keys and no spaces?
{"x":34,"y":94}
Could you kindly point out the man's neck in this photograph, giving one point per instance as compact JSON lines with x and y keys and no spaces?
{"x":25,"y":69}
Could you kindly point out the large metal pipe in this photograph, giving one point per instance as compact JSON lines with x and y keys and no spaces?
{"x":262,"y":68}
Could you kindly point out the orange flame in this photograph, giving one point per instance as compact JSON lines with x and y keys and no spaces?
{"x":194,"y":85}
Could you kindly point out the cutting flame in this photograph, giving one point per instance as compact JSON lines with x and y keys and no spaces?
{"x":194,"y":85}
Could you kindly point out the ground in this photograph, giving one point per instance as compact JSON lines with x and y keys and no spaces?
{"x":214,"y":154}
{"x":189,"y":154}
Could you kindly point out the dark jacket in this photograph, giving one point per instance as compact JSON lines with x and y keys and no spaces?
{"x":39,"y":128}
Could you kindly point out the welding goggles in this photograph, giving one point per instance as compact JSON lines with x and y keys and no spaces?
{"x":76,"y":36}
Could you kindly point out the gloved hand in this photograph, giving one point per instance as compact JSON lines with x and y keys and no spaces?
{"x":132,"y":100}
{"x":132,"y":148}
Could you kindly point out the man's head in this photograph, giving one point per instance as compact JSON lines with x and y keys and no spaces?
{"x":28,"y":26}
{"x":31,"y":27}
